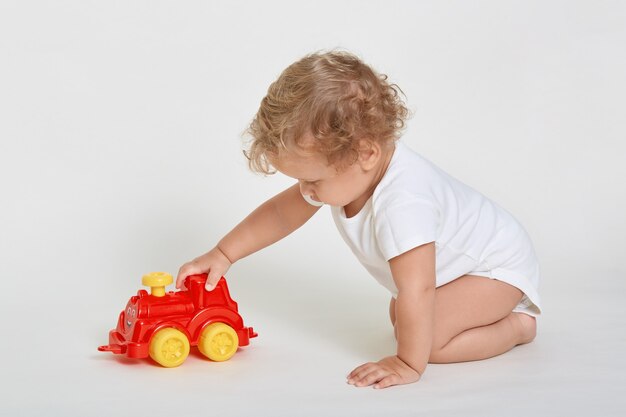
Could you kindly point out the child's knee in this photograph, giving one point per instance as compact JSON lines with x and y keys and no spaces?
{"x":528,"y":325}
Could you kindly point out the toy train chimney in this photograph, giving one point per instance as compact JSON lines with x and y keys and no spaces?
{"x":157,"y":281}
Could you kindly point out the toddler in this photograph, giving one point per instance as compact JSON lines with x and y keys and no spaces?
{"x":461,"y":271}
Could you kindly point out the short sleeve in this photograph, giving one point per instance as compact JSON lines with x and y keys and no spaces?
{"x":404,"y":223}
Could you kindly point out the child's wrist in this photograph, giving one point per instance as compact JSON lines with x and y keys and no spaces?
{"x":224,"y":254}
{"x":418,"y":370}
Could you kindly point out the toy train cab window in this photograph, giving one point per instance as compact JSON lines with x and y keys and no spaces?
{"x":164,"y":325}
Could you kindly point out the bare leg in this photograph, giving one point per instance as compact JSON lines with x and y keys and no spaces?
{"x":487,"y":341}
{"x":474,"y":320}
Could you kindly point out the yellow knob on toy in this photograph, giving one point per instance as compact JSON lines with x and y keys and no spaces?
{"x":157,"y":281}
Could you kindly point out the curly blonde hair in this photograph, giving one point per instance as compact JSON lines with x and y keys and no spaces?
{"x":334,"y":98}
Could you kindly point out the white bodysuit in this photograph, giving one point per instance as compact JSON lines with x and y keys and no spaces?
{"x":417,"y":203}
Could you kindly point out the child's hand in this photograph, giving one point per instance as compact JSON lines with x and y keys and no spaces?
{"x":214,"y":262}
{"x":387,"y":372}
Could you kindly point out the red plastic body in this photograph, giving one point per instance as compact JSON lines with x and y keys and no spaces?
{"x":189,"y":311}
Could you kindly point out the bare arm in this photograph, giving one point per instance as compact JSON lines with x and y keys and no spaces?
{"x":414,"y":274}
{"x":270,"y":222}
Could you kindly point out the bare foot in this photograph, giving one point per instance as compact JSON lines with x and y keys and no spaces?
{"x":527,"y":326}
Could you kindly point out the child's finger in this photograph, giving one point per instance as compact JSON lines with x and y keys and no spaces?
{"x":373,"y":375}
{"x":190,"y":268}
{"x":213,"y":279}
{"x":182,"y":274}
{"x":359,"y":372}
{"x":388,"y":381}
{"x":356,"y":370}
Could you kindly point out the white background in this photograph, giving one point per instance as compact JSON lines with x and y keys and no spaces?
{"x":120,"y":154}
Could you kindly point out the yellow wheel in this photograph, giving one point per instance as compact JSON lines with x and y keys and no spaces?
{"x":169,"y":347}
{"x":218,"y":342}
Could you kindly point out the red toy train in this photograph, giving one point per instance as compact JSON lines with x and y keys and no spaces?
{"x":164,"y":325}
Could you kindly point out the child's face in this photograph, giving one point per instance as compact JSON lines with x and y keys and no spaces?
{"x":323,"y":182}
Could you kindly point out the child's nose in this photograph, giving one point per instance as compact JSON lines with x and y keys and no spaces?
{"x":305,"y":188}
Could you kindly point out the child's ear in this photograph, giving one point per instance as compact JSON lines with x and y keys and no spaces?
{"x":370,"y":153}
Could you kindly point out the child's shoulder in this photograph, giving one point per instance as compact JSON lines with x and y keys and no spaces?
{"x":409,"y":171}
{"x":409,"y":177}
{"x":406,"y":162}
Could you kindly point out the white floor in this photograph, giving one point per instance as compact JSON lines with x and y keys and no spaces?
{"x":309,"y":338}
